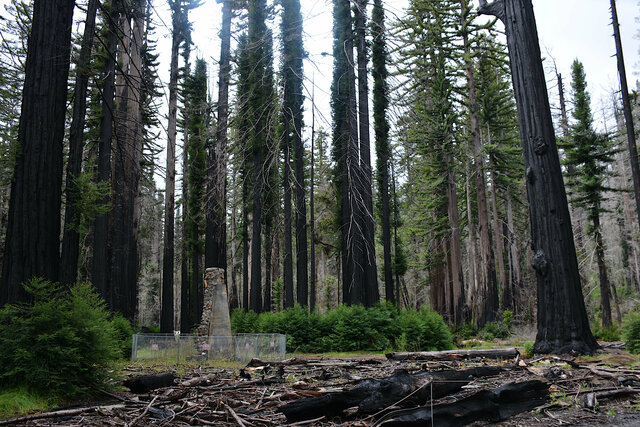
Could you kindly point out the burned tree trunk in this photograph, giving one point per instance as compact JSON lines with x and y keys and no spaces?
{"x":371,"y":396}
{"x":71,"y":236}
{"x":215,"y":252}
{"x":166,"y":316}
{"x":563,"y":325}
{"x":101,"y":230}
{"x":485,"y":405}
{"x":628,"y":117}
{"x":33,"y":232}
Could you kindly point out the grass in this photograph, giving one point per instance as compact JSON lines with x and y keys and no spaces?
{"x":19,"y":401}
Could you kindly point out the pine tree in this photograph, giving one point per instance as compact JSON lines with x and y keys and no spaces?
{"x":591,"y":154}
{"x":198,"y":129}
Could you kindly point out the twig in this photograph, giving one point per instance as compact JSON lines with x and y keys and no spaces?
{"x":139,"y":417}
{"x":305,"y":422}
{"x":234,"y":415}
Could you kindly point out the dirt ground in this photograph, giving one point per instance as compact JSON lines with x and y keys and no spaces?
{"x":253,"y":395}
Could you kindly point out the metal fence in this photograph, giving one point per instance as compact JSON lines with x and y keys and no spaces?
{"x":173,"y":348}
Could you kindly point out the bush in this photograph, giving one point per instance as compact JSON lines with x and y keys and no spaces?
{"x":350,"y":328}
{"x":59,"y":344}
{"x":631,"y":332}
{"x":610,"y":333}
{"x":528,"y":349}
{"x":123,"y":332}
{"x":492,"y":330}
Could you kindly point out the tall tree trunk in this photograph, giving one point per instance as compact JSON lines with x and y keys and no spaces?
{"x":168,"y":257}
{"x":506,"y":291}
{"x":472,"y":295}
{"x":626,"y":104}
{"x":312,"y":212}
{"x":563,"y":325}
{"x":372,"y":294}
{"x":455,"y":308}
{"x":487,"y":299}
{"x":216,"y":234}
{"x":245,"y":244}
{"x":125,"y":262}
{"x":100,"y":274}
{"x":33,"y":231}
{"x":346,"y":154}
{"x":514,"y":256}
{"x":288,"y":249}
{"x":383,"y":149}
{"x":605,"y":293}
{"x":71,"y":236}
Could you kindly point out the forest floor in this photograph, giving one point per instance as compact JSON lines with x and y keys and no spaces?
{"x":254,"y":395}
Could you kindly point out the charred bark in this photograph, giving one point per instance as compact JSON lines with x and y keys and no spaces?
{"x":371,"y":396}
{"x":32,"y":246}
{"x":486,"y":405}
{"x":71,"y":236}
{"x":168,"y":256}
{"x":100,"y":274}
{"x":216,"y":219}
{"x":563,"y":325}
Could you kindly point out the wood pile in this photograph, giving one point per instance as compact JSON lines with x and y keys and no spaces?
{"x":448,"y":388}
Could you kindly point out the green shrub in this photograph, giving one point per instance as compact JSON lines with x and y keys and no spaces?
{"x":59,"y":344}
{"x":528,"y":349}
{"x":631,"y":332}
{"x":435,"y":334}
{"x":492,"y":330}
{"x":350,"y":328}
{"x":507,"y":318}
{"x":610,"y":333}
{"x":124,"y":332}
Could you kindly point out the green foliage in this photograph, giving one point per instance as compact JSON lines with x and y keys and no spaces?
{"x":492,"y":330}
{"x":350,"y":328}
{"x":528,"y":349}
{"x":507,"y":318}
{"x":59,"y":344}
{"x":609,"y":333}
{"x":465,"y":332}
{"x":88,"y":193}
{"x":123,"y":332}
{"x":631,"y":332}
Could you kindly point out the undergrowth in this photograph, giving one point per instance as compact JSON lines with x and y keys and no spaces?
{"x":350,"y":329}
{"x":59,"y":344}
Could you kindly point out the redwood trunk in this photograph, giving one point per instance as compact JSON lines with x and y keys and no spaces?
{"x":71,"y":236}
{"x":168,"y":258}
{"x":33,"y":231}
{"x":563,"y":325}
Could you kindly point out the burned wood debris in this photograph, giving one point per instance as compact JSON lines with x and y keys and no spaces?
{"x":365,"y":392}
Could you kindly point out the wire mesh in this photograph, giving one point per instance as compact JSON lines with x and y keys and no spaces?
{"x":177,"y":348}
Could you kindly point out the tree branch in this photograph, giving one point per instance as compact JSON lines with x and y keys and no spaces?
{"x":495,"y":8}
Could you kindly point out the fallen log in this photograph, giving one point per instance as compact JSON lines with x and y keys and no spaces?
{"x":496,"y":353}
{"x":486,"y":405}
{"x":146,"y":383}
{"x":401,"y":389}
